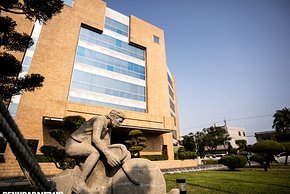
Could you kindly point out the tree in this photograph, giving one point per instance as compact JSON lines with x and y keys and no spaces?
{"x":200,"y":143}
{"x":233,"y":161}
{"x":287,"y":151}
{"x":216,"y":136}
{"x":54,"y":153}
{"x":11,"y":40}
{"x":267,"y":149}
{"x":188,"y":142}
{"x":281,"y":121}
{"x":135,"y":143}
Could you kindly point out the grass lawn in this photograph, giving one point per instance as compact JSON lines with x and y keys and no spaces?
{"x":246,"y":180}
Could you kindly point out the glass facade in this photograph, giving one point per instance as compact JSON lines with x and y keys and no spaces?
{"x":97,"y":59}
{"x":111,"y":43}
{"x":116,"y":26}
{"x":171,"y":95}
{"x":108,"y":69}
{"x":13,"y":106}
{"x":68,"y":2}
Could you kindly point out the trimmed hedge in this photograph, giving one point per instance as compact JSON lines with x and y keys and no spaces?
{"x":258,"y":158}
{"x":155,"y":157}
{"x":187,"y":155}
{"x":42,"y":158}
{"x":233,"y":161}
{"x":210,"y":161}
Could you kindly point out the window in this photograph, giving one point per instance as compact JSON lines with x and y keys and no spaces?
{"x":172,"y":105}
{"x":119,"y":43}
{"x":156,"y":39}
{"x":239,"y":133}
{"x":244,"y":133}
{"x":116,"y":26}
{"x":68,"y":2}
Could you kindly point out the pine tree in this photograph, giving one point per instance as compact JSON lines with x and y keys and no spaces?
{"x":11,"y":40}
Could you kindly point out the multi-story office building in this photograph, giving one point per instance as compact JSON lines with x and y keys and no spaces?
{"x":95,"y":59}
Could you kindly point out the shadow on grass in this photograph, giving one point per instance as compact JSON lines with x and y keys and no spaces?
{"x":262,"y":183}
{"x":205,"y":187}
{"x":242,"y":181}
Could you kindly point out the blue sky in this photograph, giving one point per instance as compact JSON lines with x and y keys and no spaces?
{"x":230,"y":58}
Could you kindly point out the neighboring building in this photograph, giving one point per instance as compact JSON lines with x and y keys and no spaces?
{"x":273,"y":135}
{"x":236,"y":133}
{"x":95,"y":59}
{"x":265,"y":135}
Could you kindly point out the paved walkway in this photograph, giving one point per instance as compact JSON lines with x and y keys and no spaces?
{"x":22,"y":180}
{"x":193,"y":169}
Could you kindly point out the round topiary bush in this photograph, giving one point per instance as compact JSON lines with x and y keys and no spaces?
{"x":233,"y":162}
{"x":258,"y":158}
{"x":73,"y":122}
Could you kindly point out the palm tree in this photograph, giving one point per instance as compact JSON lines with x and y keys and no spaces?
{"x":281,"y":121}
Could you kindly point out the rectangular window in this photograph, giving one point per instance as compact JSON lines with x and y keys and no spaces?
{"x":119,"y":43}
{"x":68,"y":2}
{"x":156,"y":39}
{"x":244,"y":133}
{"x":239,"y":133}
{"x":116,"y":26}
{"x":169,"y":80}
{"x":172,"y":105}
{"x":171,"y":93}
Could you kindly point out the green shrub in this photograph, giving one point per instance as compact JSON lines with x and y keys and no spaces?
{"x":243,"y":153}
{"x":73,"y":122}
{"x":258,"y":158}
{"x":155,"y":157}
{"x":233,"y":161}
{"x":181,"y":149}
{"x":42,"y":158}
{"x":58,"y":157}
{"x":209,"y":161}
{"x":135,"y":143}
{"x":267,"y":149}
{"x":187,"y":155}
{"x":182,"y":155}
{"x":58,"y":135}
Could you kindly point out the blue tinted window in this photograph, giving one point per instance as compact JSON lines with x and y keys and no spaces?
{"x":171,"y":92}
{"x":119,"y":43}
{"x":68,"y":2}
{"x":96,"y":59}
{"x":13,"y":109}
{"x":26,"y":63}
{"x":111,"y":43}
{"x":119,"y":31}
{"x":172,"y":105}
{"x":81,"y":51}
{"x":169,"y":80}
{"x":156,"y":39}
{"x":93,"y":102}
{"x":110,"y":68}
{"x":100,"y":84}
{"x":116,"y":26}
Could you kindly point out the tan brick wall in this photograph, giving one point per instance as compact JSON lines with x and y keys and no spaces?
{"x":166,"y":164}
{"x":54,"y":58}
{"x":13,"y":170}
{"x":141,"y":33}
